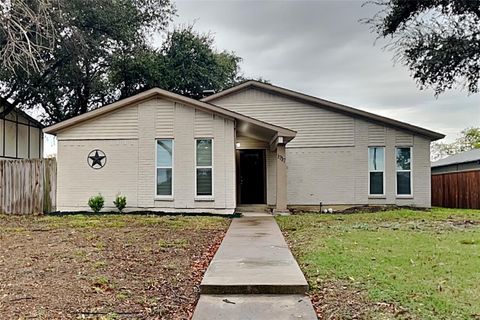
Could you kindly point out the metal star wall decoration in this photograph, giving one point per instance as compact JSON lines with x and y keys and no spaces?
{"x":97,"y":159}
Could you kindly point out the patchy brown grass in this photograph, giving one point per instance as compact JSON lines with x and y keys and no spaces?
{"x":104,"y":267}
{"x":337,"y":299}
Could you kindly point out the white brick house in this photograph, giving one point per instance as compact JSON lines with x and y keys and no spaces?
{"x":252,"y":144}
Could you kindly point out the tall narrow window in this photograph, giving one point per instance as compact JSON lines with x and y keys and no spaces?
{"x":376,"y":168}
{"x":204,"y":167}
{"x":164,"y":167}
{"x":404,"y":171}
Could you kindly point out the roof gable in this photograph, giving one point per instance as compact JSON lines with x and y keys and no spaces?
{"x":316,"y":127}
{"x":251,"y":84}
{"x":25,"y":115}
{"x":156,"y":92}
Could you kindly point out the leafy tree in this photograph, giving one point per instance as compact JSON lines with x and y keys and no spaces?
{"x":438,"y":40}
{"x":469,"y":139}
{"x":195,"y":65}
{"x":101,"y":54}
{"x":187,"y":64}
{"x":72,"y":76}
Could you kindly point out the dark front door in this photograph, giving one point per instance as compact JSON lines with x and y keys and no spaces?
{"x":252,"y":177}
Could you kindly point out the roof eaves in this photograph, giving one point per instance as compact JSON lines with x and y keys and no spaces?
{"x":167,"y":95}
{"x":329,"y":104}
{"x":30,"y":118}
{"x":433,"y":165}
{"x":470,"y":156}
{"x":53,"y":129}
{"x":238,"y":87}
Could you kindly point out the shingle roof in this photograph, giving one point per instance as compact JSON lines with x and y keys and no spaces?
{"x":467,"y":156}
{"x":432,"y":135}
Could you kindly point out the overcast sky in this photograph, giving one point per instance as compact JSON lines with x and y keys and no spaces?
{"x":320,"y":48}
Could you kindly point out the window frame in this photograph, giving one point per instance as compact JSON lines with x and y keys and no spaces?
{"x":375,"y":195}
{"x":205,"y":197}
{"x":159,"y":196}
{"x":397,"y":170}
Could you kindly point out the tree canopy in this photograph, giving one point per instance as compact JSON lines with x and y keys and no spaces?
{"x":438,"y":40}
{"x":101,"y":51}
{"x":187,"y":63}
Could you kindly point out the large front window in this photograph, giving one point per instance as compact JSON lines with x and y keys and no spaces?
{"x":376,"y":168}
{"x":204,"y":167}
{"x":164,"y":167}
{"x":404,"y":171}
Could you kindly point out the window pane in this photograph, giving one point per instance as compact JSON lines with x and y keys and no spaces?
{"x":376,"y":182}
{"x":164,"y":182}
{"x":376,"y":156}
{"x":164,"y":153}
{"x":403,"y":158}
{"x":403,"y":183}
{"x":204,"y":152}
{"x":204,"y":182}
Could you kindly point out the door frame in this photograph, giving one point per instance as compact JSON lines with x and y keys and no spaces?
{"x":239,"y":188}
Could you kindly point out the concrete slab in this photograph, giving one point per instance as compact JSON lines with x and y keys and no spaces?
{"x":253,"y":259}
{"x":256,"y":214}
{"x":254,"y":306}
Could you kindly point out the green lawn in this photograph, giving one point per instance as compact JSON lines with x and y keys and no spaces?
{"x":426,"y":263}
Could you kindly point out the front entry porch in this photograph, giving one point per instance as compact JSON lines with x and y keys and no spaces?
{"x":261,"y":167}
{"x":261,"y":173}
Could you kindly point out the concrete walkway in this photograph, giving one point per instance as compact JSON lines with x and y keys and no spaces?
{"x":254,"y":276}
{"x":254,"y":307}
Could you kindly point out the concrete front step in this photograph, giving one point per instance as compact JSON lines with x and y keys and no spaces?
{"x":253,"y":259}
{"x":255,"y":306}
{"x":254,"y":289}
{"x":253,"y":208}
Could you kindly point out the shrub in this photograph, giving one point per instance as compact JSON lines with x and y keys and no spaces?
{"x":120,"y":202}
{"x":96,"y":203}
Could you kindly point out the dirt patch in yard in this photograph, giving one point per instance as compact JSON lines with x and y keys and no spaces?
{"x":463,"y":223}
{"x":339,"y":300}
{"x":104,"y":267}
{"x":372,"y":209}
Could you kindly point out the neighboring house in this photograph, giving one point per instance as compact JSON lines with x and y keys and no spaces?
{"x":252,"y":144}
{"x":456,"y":181}
{"x":21,"y":136}
{"x":460,"y":162}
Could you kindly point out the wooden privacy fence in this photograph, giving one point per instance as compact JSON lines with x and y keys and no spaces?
{"x":28,"y":186}
{"x":456,"y":190}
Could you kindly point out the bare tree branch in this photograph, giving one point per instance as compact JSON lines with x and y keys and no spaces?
{"x":26,"y":32}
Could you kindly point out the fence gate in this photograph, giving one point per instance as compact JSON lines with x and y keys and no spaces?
{"x":28,"y":186}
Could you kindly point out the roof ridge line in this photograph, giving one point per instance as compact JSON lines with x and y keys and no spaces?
{"x":326,"y":104}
